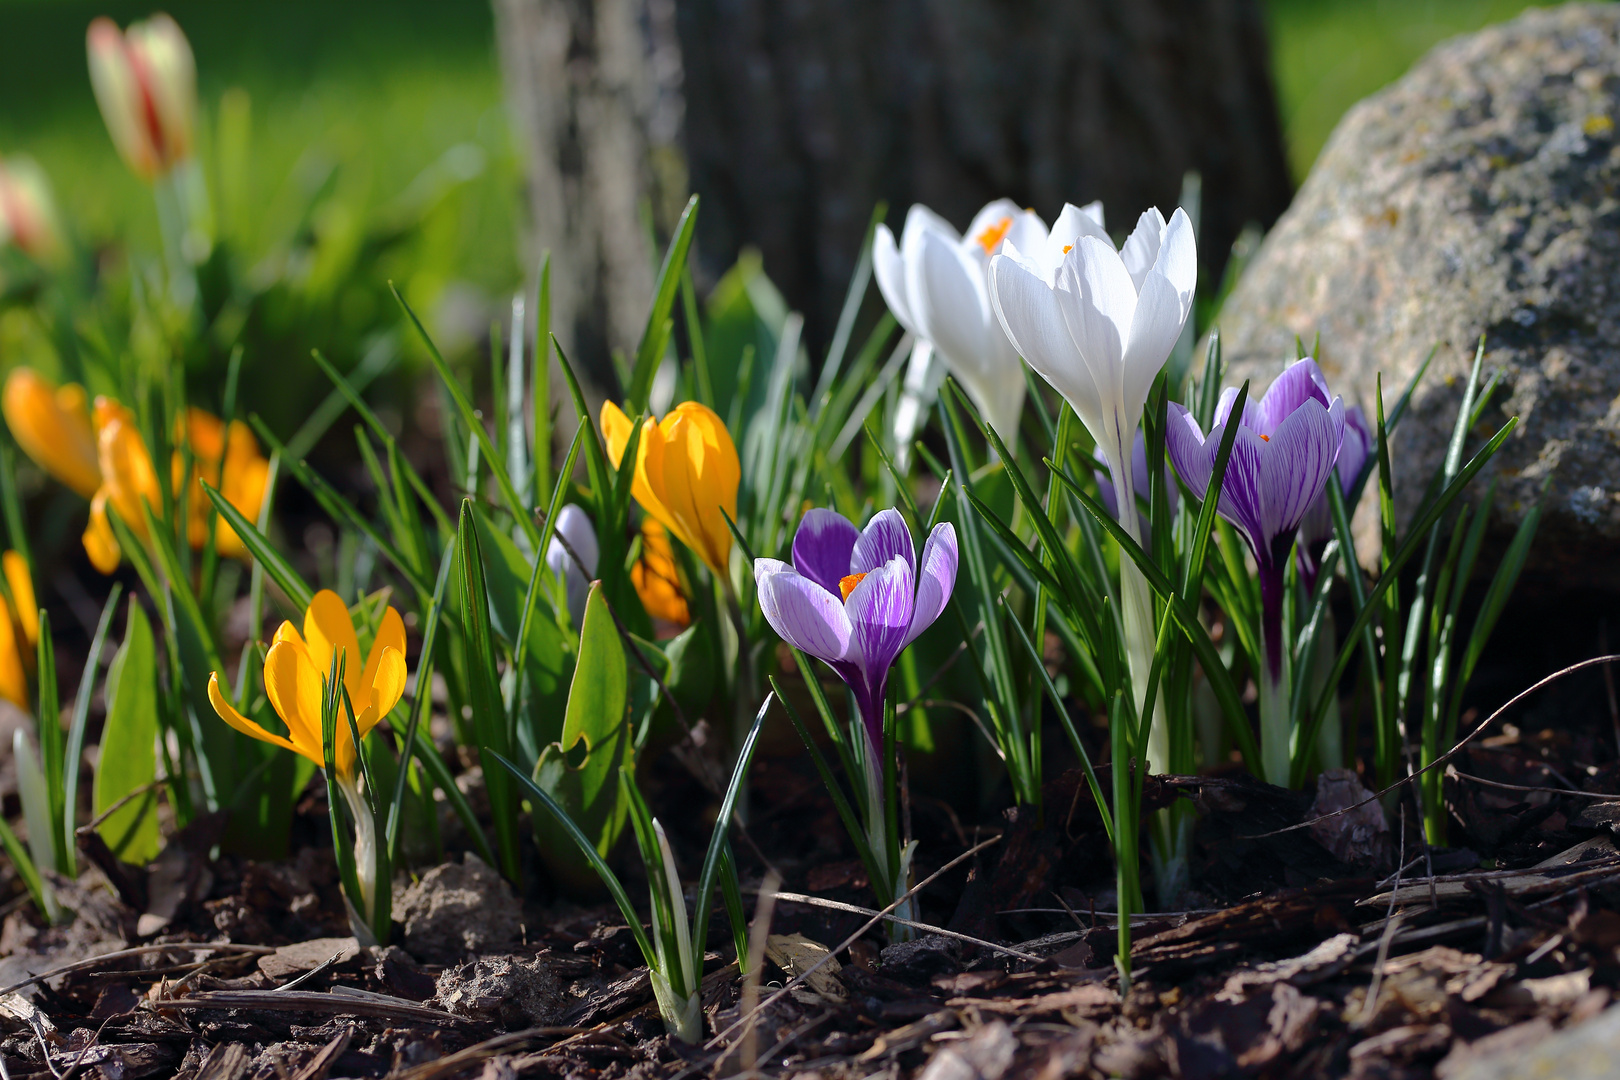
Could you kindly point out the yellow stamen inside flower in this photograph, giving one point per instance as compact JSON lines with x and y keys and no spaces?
{"x":991,"y":238}
{"x":847,"y":583}
{"x":1067,"y":248}
{"x":1266,"y":437}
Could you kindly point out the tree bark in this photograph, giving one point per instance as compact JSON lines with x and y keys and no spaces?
{"x":796,"y":117}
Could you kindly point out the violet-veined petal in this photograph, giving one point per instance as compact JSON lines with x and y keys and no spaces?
{"x":879,"y":610}
{"x":1243,"y":500}
{"x":822,"y":547}
{"x":885,"y":537}
{"x":936,"y":578}
{"x":1184,"y":445}
{"x":1300,"y":382}
{"x":1296,"y":464}
{"x":804,"y":614}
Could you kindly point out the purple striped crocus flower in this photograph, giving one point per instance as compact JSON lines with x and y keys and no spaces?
{"x":1283,"y":455}
{"x":1317,"y":528}
{"x":854,"y":598}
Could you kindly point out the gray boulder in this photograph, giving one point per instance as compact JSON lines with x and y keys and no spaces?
{"x":1480,"y":194}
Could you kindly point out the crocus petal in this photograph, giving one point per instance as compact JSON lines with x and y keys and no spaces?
{"x":1028,"y":233}
{"x":1098,"y":302}
{"x":1161,"y":310}
{"x":822,"y":547}
{"x":1297,"y":463}
{"x":227,"y":712}
{"x":1358,"y":445}
{"x":100,"y":542}
{"x":950,"y":304}
{"x":575,"y":563}
{"x":885,"y":537}
{"x":1073,"y":223}
{"x":390,"y":638}
{"x":802,"y":613}
{"x":53,"y":428}
{"x":294,"y":688}
{"x":1243,"y":494}
{"x":936,"y":578}
{"x":890,"y":271}
{"x":387,"y":687}
{"x":1141,"y":248}
{"x":700,"y":474}
{"x":1184,"y":445}
{"x":13,"y":676}
{"x":1028,"y":310}
{"x":1300,"y":382}
{"x":880,"y":611}
{"x":328,"y":630}
{"x":21,"y":584}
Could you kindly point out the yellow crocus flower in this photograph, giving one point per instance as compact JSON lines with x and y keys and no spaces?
{"x":686,"y":473}
{"x":52,"y":425}
{"x":655,"y":578}
{"x":296,"y":668}
{"x":295,"y":672}
{"x":19,"y":631}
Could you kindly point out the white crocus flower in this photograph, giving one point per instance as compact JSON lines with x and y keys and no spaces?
{"x":935,"y":283}
{"x":1099,"y":324}
{"x":576,"y":568}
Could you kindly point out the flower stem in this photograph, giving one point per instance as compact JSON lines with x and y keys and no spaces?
{"x":1276,"y":719}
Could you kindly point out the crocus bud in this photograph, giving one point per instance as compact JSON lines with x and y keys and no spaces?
{"x":145,"y":81}
{"x":28,"y":213}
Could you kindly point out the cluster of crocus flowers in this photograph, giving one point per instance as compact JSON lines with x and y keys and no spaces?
{"x":295,"y":673}
{"x":28,"y":219}
{"x":686,"y":475}
{"x":102,"y":456}
{"x":1284,"y":452}
{"x":936,"y":284}
{"x":19,"y":630}
{"x":145,"y":81}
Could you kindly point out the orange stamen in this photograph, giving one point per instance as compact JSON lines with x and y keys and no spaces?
{"x":992,"y":237}
{"x":846,"y":584}
{"x":1067,"y":248}
{"x":1266,"y":437}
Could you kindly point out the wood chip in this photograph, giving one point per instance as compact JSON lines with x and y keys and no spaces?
{"x":795,"y":954}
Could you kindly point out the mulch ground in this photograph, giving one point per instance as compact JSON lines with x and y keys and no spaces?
{"x":1343,"y":948}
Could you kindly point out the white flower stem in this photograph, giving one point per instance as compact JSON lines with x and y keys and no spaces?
{"x":365,"y":845}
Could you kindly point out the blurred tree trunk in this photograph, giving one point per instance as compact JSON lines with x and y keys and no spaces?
{"x":800,"y":115}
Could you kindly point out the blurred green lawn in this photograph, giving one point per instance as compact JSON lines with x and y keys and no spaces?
{"x":380,"y":90}
{"x":1329,"y":54}
{"x":383,"y":89}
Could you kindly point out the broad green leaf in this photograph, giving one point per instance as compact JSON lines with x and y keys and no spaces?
{"x":489,"y":718}
{"x":128,"y":760}
{"x":580,"y":770}
{"x":600,"y":690}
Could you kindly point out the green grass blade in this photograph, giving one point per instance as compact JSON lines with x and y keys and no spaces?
{"x":655,"y":337}
{"x":81,"y":717}
{"x":722,"y":824}
{"x":264,"y":553}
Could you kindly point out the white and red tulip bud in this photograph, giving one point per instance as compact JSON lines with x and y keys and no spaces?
{"x":145,"y":80}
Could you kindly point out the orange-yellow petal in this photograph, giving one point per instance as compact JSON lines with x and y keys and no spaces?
{"x":126,"y":469}
{"x":100,"y":543}
{"x":227,"y":712}
{"x":328,"y":629}
{"x":655,"y":577}
{"x":700,"y":472}
{"x":644,"y":483}
{"x":294,"y":688}
{"x":53,"y":428}
{"x":386,"y":691}
{"x":13,"y":676}
{"x":390,"y":635}
{"x":21,"y":584}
